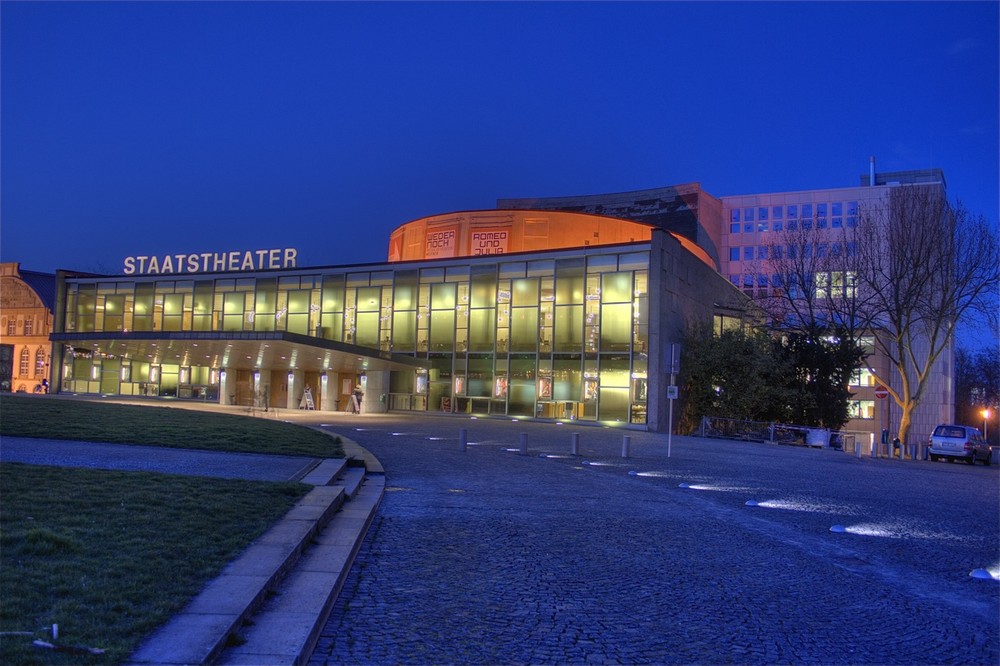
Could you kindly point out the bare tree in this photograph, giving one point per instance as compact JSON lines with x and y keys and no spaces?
{"x":922,"y":264}
{"x":812,"y":302}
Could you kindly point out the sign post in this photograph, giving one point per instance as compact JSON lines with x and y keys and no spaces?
{"x":880,"y":393}
{"x":675,"y":367}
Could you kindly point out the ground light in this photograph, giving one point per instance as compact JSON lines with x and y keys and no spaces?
{"x":808,"y":507}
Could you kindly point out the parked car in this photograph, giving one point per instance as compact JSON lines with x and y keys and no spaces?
{"x":958,"y":442}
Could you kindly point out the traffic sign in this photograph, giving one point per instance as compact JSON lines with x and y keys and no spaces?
{"x":881,"y":392}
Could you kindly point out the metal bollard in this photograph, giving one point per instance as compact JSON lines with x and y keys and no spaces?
{"x":524,"y":443}
{"x":463,"y":438}
{"x":574,"y":446}
{"x":626,"y":443}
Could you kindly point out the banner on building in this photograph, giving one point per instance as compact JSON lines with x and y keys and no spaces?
{"x":441,"y":242}
{"x":490,"y":241}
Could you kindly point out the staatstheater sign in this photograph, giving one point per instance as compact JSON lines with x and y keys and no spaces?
{"x":211,"y":262}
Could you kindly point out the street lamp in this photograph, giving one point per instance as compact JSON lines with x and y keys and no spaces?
{"x":986,"y":417}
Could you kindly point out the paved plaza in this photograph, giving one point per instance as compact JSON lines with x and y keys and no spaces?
{"x":489,"y":556}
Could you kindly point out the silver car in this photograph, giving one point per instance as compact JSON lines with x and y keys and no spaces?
{"x":958,"y":442}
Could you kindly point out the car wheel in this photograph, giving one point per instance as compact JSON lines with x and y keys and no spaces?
{"x":971,"y":459}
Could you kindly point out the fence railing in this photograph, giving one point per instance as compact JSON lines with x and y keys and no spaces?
{"x":779,"y":433}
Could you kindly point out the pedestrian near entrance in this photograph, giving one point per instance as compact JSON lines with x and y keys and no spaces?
{"x":354,"y":407}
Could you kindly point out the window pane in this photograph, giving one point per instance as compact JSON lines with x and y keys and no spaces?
{"x":442,"y":329}
{"x":481,"y":328}
{"x":524,"y":329}
{"x":616,"y":287}
{"x":443,"y":296}
{"x":616,"y":327}
{"x":568,"y":334}
{"x":368,"y":299}
{"x":404,"y":328}
{"x":525,"y":292}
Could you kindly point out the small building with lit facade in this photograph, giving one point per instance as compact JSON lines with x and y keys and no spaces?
{"x":27,"y":299}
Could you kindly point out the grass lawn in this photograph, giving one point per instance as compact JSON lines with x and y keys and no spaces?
{"x":59,"y":418}
{"x":109,"y":556}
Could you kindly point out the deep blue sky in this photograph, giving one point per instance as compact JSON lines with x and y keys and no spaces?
{"x":169,"y":127}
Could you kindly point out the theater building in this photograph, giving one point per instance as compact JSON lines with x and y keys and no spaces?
{"x":527,"y":313}
{"x":552,"y":308}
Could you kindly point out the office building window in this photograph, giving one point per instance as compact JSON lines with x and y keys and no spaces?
{"x":762,"y":226}
{"x":793,"y":212}
{"x":762,"y":252}
{"x":762,"y":213}
{"x":734,"y":215}
{"x":861,"y":409}
{"x":734,"y":254}
{"x":852,"y":214}
{"x":748,"y":253}
{"x":748,"y":214}
{"x":776,"y":212}
{"x":778,"y":225}
{"x":734,"y":228}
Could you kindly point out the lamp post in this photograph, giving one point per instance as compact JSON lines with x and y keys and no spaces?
{"x":986,"y":418}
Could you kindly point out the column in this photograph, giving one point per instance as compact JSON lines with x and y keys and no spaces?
{"x":376,"y":393}
{"x":227,"y":378}
{"x":295,"y":388}
{"x":329,"y":392}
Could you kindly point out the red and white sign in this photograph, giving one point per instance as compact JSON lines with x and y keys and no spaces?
{"x":881,"y":392}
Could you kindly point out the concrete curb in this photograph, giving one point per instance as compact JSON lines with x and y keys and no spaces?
{"x":275,"y":597}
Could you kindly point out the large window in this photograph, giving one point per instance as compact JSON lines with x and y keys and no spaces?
{"x":24,"y":367}
{"x":40,"y":362}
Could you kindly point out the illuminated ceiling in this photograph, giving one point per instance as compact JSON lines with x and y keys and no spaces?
{"x":239,"y":351}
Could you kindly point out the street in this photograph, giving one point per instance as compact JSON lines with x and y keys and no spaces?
{"x":491,"y":556}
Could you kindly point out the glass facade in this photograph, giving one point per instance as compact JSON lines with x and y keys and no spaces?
{"x":558,"y":337}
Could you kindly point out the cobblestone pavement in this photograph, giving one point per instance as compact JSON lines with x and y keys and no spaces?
{"x":491,"y":557}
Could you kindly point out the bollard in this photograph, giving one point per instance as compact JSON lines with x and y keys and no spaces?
{"x":574,"y":446}
{"x":626,"y":442}
{"x":463,"y":438}
{"x":524,"y":443}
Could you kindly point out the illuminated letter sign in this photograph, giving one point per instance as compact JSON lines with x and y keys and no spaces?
{"x":207,"y":262}
{"x":490,"y":241}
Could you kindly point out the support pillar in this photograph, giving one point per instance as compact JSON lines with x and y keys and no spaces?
{"x":296,"y":385}
{"x":328,"y":391}
{"x":376,"y":400}
{"x":227,"y":379}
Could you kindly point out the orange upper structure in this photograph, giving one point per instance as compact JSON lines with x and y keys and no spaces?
{"x":493,"y":232}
